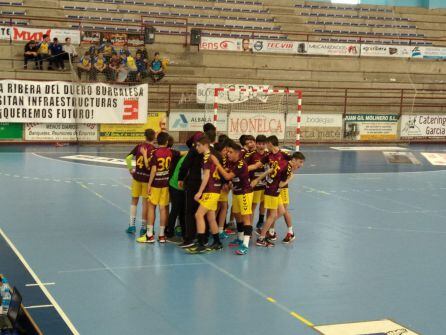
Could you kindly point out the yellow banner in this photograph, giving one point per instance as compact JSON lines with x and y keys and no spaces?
{"x":133,"y":132}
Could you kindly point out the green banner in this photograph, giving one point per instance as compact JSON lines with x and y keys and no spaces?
{"x":11,"y":131}
{"x":371,"y":118}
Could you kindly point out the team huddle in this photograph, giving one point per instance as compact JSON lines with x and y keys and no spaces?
{"x":197,"y":187}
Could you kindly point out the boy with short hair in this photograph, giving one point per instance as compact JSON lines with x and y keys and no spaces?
{"x":207,"y":196}
{"x":242,"y":195}
{"x":44,"y":51}
{"x":158,"y":188}
{"x":140,"y":175}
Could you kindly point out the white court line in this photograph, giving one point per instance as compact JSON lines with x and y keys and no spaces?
{"x":39,"y":306}
{"x":136,"y":267}
{"x":44,"y":284}
{"x":77,"y":162}
{"x":39,"y":282}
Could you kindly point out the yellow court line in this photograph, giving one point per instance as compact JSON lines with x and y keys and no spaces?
{"x":271,"y":300}
{"x":302,"y":319}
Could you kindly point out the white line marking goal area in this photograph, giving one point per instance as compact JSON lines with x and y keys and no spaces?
{"x":380,"y":327}
{"x":368,"y":148}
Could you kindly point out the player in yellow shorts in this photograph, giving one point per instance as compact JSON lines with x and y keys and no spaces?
{"x":242,"y":195}
{"x":158,"y":188}
{"x":207,"y":196}
{"x":140,"y":177}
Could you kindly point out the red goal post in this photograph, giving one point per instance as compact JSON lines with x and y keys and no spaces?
{"x":285,"y":91}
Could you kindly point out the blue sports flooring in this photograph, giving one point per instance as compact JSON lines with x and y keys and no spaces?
{"x":371,"y":240}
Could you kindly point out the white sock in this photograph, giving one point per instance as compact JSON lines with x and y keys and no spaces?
{"x":220,"y":230}
{"x":144,"y":224}
{"x":150,"y":230}
{"x":271,"y":231}
{"x":162,"y":231}
{"x":246,"y":240}
{"x":290,"y":230}
{"x":240,"y":236}
{"x":132,"y":216}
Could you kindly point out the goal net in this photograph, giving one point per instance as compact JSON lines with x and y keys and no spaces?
{"x":255,"y":111}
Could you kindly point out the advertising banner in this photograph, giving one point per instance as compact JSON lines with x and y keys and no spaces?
{"x":329,"y":49}
{"x":24,"y":33}
{"x":193,"y":120}
{"x":64,"y":102}
{"x":224,"y":44}
{"x":366,"y":127}
{"x":424,"y":125}
{"x":429,"y":52}
{"x":281,"y":47}
{"x":255,"y":124}
{"x":375,"y":50}
{"x":315,"y":127}
{"x":206,"y":93}
{"x":11,"y":131}
{"x":60,"y":132}
{"x":122,"y":132}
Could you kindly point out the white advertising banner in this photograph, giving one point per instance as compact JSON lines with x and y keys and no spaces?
{"x":60,"y":132}
{"x":206,"y":93}
{"x":282,"y":47}
{"x":255,"y":124}
{"x":65,"y":102}
{"x":23,"y":33}
{"x":375,"y":50}
{"x":223,"y":44}
{"x":315,"y":120}
{"x":193,"y":120}
{"x":315,"y":127}
{"x":330,"y":49}
{"x":423,"y":126}
{"x":429,"y":52}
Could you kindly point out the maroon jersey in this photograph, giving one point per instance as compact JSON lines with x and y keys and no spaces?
{"x":214,"y":182}
{"x":244,"y":154}
{"x":241,"y":184}
{"x":142,"y":172}
{"x":278,"y":163}
{"x":161,"y":158}
{"x":286,"y":173}
{"x":252,"y":159}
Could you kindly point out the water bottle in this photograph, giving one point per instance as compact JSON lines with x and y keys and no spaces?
{"x":6,"y":296}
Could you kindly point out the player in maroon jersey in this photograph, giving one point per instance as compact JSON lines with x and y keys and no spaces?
{"x":207,"y":196}
{"x":140,"y":175}
{"x":158,"y":188}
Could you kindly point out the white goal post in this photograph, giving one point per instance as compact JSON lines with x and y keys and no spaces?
{"x":280,"y":96}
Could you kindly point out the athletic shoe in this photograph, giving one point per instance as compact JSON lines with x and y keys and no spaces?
{"x":264,"y":243}
{"x":162,"y":239}
{"x":142,"y":231}
{"x":289,"y":238}
{"x":272,"y":237}
{"x":197,"y":249}
{"x":215,"y":246}
{"x":235,"y":243}
{"x":145,"y":239}
{"x":131,"y":230}
{"x":230,"y":231}
{"x":242,"y":250}
{"x":259,"y":231}
{"x":223,"y":235}
{"x":175,"y":240}
{"x":185,"y":244}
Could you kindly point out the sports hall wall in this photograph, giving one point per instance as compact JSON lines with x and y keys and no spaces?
{"x":415,"y":3}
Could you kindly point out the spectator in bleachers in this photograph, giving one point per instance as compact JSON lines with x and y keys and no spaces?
{"x":113,"y":67}
{"x":107,"y":49}
{"x":57,"y":54}
{"x":44,"y":51}
{"x":70,"y":50}
{"x":31,"y":54}
{"x":125,"y":50}
{"x":84,"y":65}
{"x":131,"y":68}
{"x":99,"y":66}
{"x":156,"y":68}
{"x":141,"y":64}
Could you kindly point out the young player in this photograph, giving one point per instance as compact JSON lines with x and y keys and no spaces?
{"x":222,"y":209}
{"x":276,"y":164}
{"x":242,"y":195}
{"x":158,"y":188}
{"x":259,"y":190}
{"x":140,"y":175}
{"x":296,"y":162}
{"x":207,"y":196}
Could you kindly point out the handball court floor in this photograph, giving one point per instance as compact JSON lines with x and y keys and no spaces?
{"x":371,"y":245}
